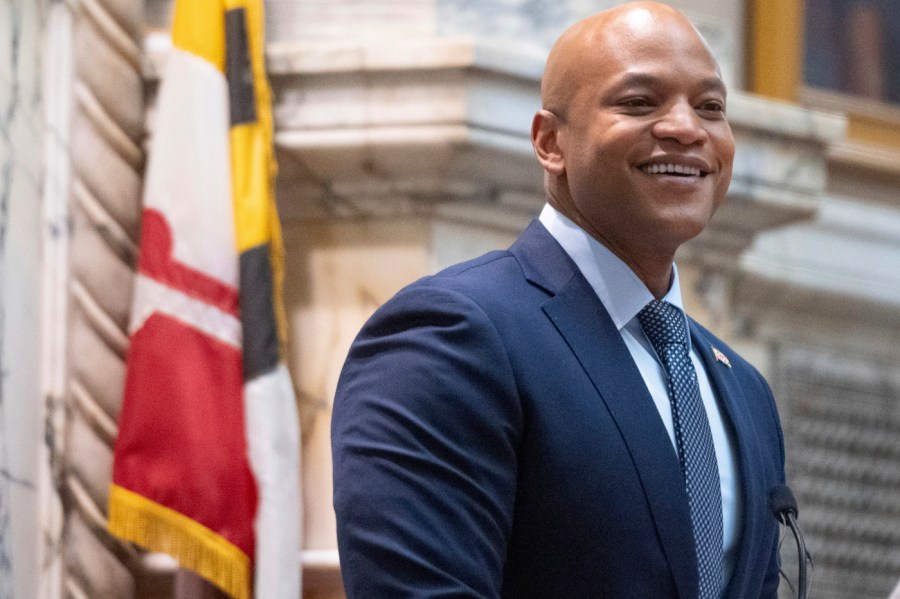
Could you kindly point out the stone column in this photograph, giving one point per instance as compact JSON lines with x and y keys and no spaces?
{"x":107,"y":129}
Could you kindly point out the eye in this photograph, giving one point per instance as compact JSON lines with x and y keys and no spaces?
{"x":636,"y":104}
{"x":714,"y":108}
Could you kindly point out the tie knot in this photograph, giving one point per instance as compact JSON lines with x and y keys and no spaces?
{"x":663,"y":324}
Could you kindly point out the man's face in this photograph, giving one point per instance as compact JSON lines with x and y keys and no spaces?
{"x":646,"y":147}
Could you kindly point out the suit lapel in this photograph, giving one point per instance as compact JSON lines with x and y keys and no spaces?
{"x":754,"y":495}
{"x":584,"y":323}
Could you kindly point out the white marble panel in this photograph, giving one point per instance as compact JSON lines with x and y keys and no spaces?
{"x":21,"y":404}
{"x":537,"y":24}
{"x":328,"y":19}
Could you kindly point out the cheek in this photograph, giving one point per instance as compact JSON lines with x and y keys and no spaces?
{"x":724,"y":144}
{"x":725,"y":174}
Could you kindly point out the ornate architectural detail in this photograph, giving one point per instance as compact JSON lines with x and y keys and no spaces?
{"x":425,"y":126}
{"x":107,"y":128}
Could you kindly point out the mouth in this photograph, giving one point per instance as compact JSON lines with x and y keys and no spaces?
{"x":674,"y":169}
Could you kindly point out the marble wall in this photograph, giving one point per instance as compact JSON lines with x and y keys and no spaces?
{"x":522,"y":23}
{"x":21,"y":189}
{"x":539,"y":23}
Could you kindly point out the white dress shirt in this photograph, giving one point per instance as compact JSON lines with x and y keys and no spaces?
{"x":624,"y":295}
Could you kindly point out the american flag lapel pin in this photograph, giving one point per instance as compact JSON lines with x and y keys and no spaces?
{"x":720,"y":357}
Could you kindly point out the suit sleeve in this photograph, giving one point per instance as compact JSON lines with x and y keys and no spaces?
{"x":424,"y":434}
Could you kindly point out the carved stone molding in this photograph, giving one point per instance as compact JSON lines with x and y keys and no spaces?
{"x":378,"y":130}
{"x":834,"y":279}
{"x":425,"y":126}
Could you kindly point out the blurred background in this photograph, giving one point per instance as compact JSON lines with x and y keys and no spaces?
{"x":402,"y":135}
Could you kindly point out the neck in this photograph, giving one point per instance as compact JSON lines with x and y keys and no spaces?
{"x":652,"y":265}
{"x":658,"y":281}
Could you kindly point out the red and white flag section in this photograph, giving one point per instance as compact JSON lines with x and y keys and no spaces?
{"x":207,"y":458}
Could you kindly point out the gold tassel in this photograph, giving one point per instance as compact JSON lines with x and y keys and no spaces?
{"x":137,"y":519}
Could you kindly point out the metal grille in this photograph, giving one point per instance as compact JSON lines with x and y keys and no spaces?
{"x":841,"y":416}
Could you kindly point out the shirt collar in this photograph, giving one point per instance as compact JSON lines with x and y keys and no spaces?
{"x":623,"y":294}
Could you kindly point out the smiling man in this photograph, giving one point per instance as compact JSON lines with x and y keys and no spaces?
{"x":546,"y":421}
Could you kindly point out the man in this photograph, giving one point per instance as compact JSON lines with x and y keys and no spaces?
{"x":536,"y":422}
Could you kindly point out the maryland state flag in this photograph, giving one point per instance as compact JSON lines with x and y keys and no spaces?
{"x":207,"y":458}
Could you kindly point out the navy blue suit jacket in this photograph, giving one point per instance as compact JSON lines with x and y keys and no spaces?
{"x":492,"y":437}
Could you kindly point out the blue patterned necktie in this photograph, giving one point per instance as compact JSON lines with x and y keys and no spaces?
{"x":664,"y":325}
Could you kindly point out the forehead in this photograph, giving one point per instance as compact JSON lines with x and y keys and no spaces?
{"x":639,"y":43}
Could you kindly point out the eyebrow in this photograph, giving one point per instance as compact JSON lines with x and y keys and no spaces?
{"x":646,"y":79}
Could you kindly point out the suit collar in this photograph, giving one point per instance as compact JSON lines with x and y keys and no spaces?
{"x":543,"y":261}
{"x":584,"y":323}
{"x":621,"y":291}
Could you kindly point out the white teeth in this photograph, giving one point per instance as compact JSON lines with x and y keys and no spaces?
{"x":679,"y":169}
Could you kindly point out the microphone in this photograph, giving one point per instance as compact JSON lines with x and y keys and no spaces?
{"x":784,"y":507}
{"x":782,"y":502}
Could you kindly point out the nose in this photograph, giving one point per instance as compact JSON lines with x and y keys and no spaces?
{"x":681,"y":123}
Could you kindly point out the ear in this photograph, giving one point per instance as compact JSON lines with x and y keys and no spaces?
{"x":545,"y":139}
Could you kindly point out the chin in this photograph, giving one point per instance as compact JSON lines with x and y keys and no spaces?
{"x":683,"y":230}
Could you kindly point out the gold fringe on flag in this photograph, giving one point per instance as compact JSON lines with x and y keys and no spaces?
{"x":149,"y":524}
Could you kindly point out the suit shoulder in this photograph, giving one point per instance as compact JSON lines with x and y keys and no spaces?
{"x":476,"y":267}
{"x":475,"y":277}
